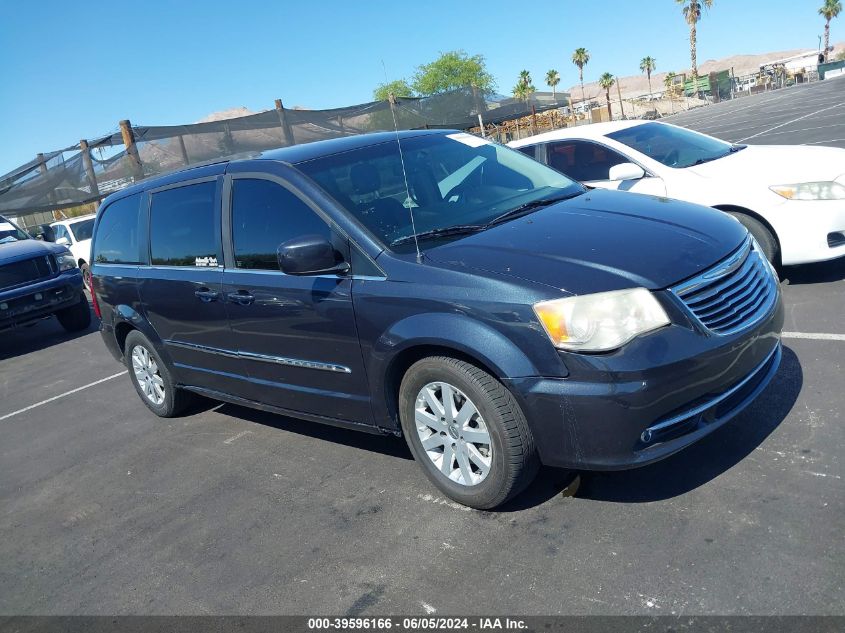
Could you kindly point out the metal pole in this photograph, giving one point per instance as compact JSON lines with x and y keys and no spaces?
{"x":183,"y":150}
{"x":287,"y":131}
{"x":481,"y":125}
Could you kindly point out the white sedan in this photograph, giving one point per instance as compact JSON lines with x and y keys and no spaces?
{"x":790,"y":197}
{"x":75,"y":233}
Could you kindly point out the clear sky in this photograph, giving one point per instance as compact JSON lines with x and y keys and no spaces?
{"x":72,"y":70}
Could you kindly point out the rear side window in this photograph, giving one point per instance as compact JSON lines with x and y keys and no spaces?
{"x":582,"y":160}
{"x":264,"y":215}
{"x":117,"y":232}
{"x":183,"y":226}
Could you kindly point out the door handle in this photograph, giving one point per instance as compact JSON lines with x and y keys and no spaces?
{"x":241,"y":297}
{"x":206,"y":296}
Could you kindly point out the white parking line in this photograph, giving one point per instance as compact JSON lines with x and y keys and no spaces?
{"x":61,"y":395}
{"x":800,"y":118}
{"x":816,"y":336}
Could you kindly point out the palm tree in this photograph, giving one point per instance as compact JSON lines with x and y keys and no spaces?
{"x":647,"y":65}
{"x":829,"y":10}
{"x":669,"y":83}
{"x":522,"y":91}
{"x":606,"y":81}
{"x":692,"y":14}
{"x":552,"y":80}
{"x":525,"y":77}
{"x":580,"y":58}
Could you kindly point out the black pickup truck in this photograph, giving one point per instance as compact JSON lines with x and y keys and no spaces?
{"x":38,"y":280}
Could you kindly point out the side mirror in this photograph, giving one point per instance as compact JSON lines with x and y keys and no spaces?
{"x":47,"y":233}
{"x":63,"y":241}
{"x":626,"y":171}
{"x":310,"y":255}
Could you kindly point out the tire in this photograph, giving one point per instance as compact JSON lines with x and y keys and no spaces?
{"x":763,"y":235}
{"x":77,"y":317}
{"x":487,"y":474}
{"x":86,"y":275}
{"x":152,"y":379}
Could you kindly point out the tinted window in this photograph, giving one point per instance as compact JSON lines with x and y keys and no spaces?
{"x":183,"y":227}
{"x":670,"y":145}
{"x":82,"y":230}
{"x":117,"y":232}
{"x":60,"y":232}
{"x":528,"y":150}
{"x":264,"y":215}
{"x":583,"y":161}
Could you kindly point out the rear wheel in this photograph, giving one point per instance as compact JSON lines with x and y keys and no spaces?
{"x":152,"y":379}
{"x":467,"y":432}
{"x":76,"y":317}
{"x":762,"y":234}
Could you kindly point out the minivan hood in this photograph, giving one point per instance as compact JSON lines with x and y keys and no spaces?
{"x":776,"y":165}
{"x":25,"y":249}
{"x":601,"y":240}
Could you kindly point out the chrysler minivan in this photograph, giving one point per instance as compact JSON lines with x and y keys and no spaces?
{"x":439,"y":287}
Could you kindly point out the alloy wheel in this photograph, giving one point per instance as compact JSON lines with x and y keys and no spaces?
{"x":147,"y":375}
{"x":453,"y":433}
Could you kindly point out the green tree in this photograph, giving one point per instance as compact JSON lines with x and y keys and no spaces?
{"x":692,"y":14}
{"x":524,"y":87}
{"x":453,"y":70}
{"x":830,"y":9}
{"x":398,"y":87}
{"x":606,"y":81}
{"x":552,"y":80}
{"x":647,"y":65}
{"x":580,"y":58}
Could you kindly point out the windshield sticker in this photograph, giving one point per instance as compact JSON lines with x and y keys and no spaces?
{"x":468,"y":139}
{"x":205,"y":261}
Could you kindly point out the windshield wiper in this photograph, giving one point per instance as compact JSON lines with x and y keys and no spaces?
{"x":458,"y":229}
{"x":528,"y":207}
{"x":732,"y":150}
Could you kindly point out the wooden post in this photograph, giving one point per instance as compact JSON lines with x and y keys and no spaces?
{"x":533,"y":119}
{"x":89,"y":168}
{"x":183,"y":150}
{"x":42,"y":168}
{"x":287,"y":131}
{"x":135,"y":167}
{"x":481,"y":125}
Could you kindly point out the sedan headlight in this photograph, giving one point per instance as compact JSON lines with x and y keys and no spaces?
{"x":811,"y":191}
{"x":65,"y":261}
{"x":602,"y":321}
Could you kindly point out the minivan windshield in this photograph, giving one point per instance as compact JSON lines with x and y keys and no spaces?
{"x":458,"y":184}
{"x":82,"y":230}
{"x":10,"y":233}
{"x":673,"y":146}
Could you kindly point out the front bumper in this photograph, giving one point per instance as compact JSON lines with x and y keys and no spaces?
{"x":656,"y":396}
{"x":808,"y":230}
{"x":39,"y":300}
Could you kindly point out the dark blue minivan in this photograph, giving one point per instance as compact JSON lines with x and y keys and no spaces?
{"x":435,"y":285}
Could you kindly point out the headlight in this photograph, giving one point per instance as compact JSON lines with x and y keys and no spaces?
{"x":811,"y":191}
{"x":65,"y":261}
{"x":601,"y":321}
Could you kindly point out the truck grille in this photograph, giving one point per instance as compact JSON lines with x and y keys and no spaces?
{"x":733,"y":295}
{"x":26,"y":271}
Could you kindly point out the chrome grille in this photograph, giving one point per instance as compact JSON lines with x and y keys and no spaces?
{"x":733,"y":295}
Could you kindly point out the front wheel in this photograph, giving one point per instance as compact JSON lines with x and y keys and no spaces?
{"x":77,"y":317}
{"x":763,"y":235}
{"x":467,"y":432}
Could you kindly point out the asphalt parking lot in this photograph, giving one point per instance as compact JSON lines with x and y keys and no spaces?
{"x":106,"y":509}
